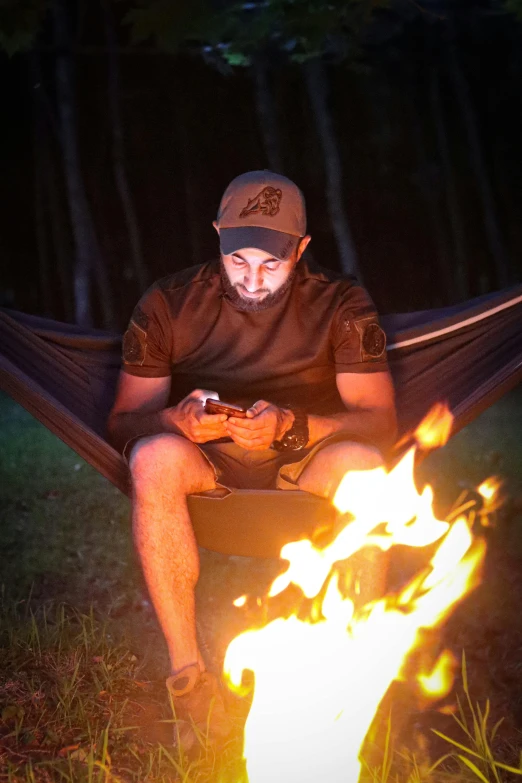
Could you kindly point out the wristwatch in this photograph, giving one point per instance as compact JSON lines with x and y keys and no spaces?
{"x":297,"y":436}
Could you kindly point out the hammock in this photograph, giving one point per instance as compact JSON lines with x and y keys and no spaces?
{"x":468,"y":355}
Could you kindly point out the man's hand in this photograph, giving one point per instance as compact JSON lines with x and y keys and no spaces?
{"x":188,"y":418}
{"x":265,"y":423}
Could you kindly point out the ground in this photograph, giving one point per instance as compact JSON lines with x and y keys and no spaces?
{"x":81,"y":656}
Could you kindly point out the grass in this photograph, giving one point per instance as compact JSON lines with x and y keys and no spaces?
{"x":476,"y":755}
{"x":82,"y":660}
{"x":76,"y":708}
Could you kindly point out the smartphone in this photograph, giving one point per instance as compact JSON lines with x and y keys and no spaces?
{"x":217,"y":406}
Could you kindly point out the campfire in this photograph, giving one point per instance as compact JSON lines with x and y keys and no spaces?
{"x":321,"y":673}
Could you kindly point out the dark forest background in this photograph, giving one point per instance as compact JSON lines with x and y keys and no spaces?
{"x":123,"y":122}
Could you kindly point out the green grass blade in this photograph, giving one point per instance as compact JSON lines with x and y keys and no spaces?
{"x":464,"y":674}
{"x":476,"y":771}
{"x":179,"y":769}
{"x":513,"y":770}
{"x":457,"y":744}
{"x":438,"y":763}
{"x":496,"y":728}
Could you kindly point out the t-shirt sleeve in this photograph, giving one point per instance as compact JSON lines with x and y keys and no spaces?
{"x":147,"y":343}
{"x":359,"y":342}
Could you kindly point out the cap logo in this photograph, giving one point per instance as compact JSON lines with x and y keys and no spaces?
{"x":267,"y":202}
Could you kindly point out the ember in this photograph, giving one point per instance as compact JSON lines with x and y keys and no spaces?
{"x":319,"y":680}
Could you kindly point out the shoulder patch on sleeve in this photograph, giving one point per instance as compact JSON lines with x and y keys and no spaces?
{"x":372,"y":338}
{"x":134,"y":345}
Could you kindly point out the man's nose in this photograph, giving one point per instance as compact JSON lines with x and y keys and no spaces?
{"x":253,"y":280}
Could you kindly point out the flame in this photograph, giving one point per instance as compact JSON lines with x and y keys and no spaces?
{"x":435,"y":429}
{"x":437,"y":683}
{"x":490,"y":490}
{"x":320,"y":676}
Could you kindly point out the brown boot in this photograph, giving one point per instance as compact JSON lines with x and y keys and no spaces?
{"x":199,"y":708}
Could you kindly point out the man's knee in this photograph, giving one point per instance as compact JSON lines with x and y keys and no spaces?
{"x":348,"y":455}
{"x":355,"y":456}
{"x":169,"y":457}
{"x":326,"y":469}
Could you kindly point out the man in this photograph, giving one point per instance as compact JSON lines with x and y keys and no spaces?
{"x":297,"y":345}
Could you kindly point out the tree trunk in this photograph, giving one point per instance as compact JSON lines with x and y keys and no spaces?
{"x":190,"y":184}
{"x":462,"y":287}
{"x":44,"y":272}
{"x":60,"y":230}
{"x":430,"y":188}
{"x":42,"y":238}
{"x":316,"y":83}
{"x":267,"y":114}
{"x":493,"y":236}
{"x":74,"y":185}
{"x":118,"y":153}
{"x":88,"y":257}
{"x":58,"y":246}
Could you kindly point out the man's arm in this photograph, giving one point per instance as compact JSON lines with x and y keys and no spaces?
{"x":370,"y":403}
{"x":369,"y":399}
{"x":139,"y":409}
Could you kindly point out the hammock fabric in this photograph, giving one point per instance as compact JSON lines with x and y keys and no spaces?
{"x":468,"y":355}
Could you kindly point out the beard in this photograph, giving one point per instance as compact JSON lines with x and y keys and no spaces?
{"x":231,"y":292}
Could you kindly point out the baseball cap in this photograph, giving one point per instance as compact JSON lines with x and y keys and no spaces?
{"x":264,"y":210}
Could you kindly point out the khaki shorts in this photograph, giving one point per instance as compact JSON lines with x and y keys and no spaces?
{"x":238,"y":468}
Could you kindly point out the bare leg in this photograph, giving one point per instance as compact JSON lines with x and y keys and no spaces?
{"x":165,"y":469}
{"x":324,"y":472}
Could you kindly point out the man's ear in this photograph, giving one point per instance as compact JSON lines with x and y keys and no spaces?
{"x":303,"y":244}
{"x":214,"y":223}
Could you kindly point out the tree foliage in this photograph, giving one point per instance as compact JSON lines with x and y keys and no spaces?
{"x":236,"y":31}
{"x":20,"y":22}
{"x":514,"y":7}
{"x":169,"y":24}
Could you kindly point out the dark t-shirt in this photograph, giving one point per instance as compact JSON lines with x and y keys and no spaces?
{"x":289,"y":354}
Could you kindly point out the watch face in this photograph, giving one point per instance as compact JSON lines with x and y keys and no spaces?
{"x":296,"y":438}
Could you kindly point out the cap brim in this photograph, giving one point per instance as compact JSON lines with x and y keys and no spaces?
{"x":275,"y":243}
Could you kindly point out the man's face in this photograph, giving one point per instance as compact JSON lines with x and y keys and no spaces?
{"x":256,"y":275}
{"x":254,"y":280}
